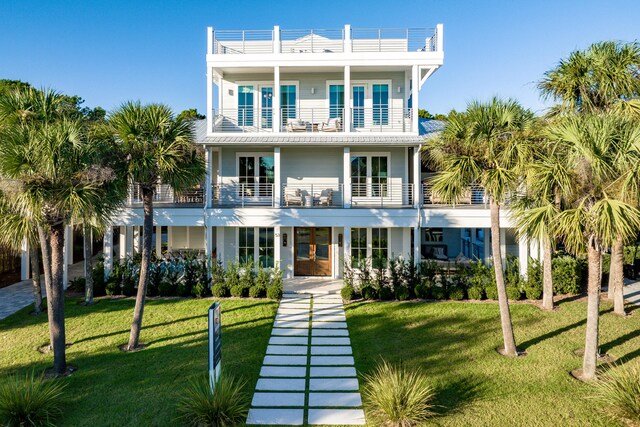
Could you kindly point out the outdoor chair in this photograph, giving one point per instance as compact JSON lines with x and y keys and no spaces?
{"x":324,"y":198}
{"x":331,"y":125}
{"x":296,"y":125}
{"x":292,"y":196}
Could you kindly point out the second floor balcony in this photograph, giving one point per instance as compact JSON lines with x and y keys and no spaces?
{"x":313,"y":120}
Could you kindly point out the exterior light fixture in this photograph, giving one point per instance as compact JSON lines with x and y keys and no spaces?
{"x":399,"y":89}
{"x":284,"y":240}
{"x":340,"y":240}
{"x":313,"y":90}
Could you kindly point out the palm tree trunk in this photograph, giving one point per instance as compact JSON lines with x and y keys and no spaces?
{"x":616,"y":277}
{"x":547,"y":277}
{"x":136,"y":325}
{"x":88,"y":267}
{"x":56,"y":299}
{"x":505,"y":315}
{"x":45,"y":249}
{"x":35,"y":279}
{"x":589,"y":363}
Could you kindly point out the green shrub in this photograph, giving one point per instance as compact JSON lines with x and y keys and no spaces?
{"x":512,"y":277}
{"x":200,"y":290}
{"x":347,"y":292}
{"x":97,"y":274}
{"x":369,"y":292}
{"x":257,"y":291}
{"x":456,"y":293}
{"x":227,"y":405}
{"x":220,"y":290}
{"x":166,"y":288}
{"x":128,"y":286}
{"x":386,"y":293}
{"x":112,"y":287}
{"x":77,"y":285}
{"x":475,"y":293}
{"x":274,"y":292}
{"x":30,"y":401}
{"x":183,"y":289}
{"x":566,"y":274}
{"x":402,"y":293}
{"x":231,"y":276}
{"x":398,"y":396}
{"x":513,"y":293}
{"x":247,"y":275}
{"x":239,"y":291}
{"x":423,"y":291}
{"x":438,"y":292}
{"x":263,"y":277}
{"x":617,"y":392}
{"x":492,"y":291}
{"x":533,"y":292}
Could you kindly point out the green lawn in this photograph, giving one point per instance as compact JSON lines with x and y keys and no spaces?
{"x":137,"y":389}
{"x":453,"y":343}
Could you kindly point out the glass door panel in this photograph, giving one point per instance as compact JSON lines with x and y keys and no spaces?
{"x":246,"y":175}
{"x":380,"y":104}
{"x":245,"y":105}
{"x":321,"y":252}
{"x":358,"y":107}
{"x":359,"y":176}
{"x":336,"y":101}
{"x":379,"y":176}
{"x":288,"y":102}
{"x":266,"y":113}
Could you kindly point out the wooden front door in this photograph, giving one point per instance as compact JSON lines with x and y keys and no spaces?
{"x":312,"y":251}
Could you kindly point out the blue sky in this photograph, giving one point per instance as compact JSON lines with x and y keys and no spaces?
{"x":112,"y":51}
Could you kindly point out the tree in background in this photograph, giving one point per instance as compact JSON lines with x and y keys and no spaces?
{"x":190,"y":114}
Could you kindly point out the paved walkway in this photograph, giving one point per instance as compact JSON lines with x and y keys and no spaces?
{"x":632,"y":292}
{"x":313,"y":285}
{"x":308,"y":378}
{"x":20,"y":294}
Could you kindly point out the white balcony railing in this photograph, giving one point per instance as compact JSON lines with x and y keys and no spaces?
{"x":389,"y":195}
{"x":164,"y":194}
{"x":243,"y":195}
{"x":325,"y":40}
{"x":316,"y":195}
{"x":473,"y":196}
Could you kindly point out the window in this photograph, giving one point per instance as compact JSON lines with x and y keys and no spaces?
{"x":266,"y":115}
{"x":379,"y":247}
{"x":288,"y":102}
{"x":380,"y":104}
{"x":336,"y":101}
{"x":379,"y":176}
{"x":258,"y":181}
{"x":245,"y":105}
{"x":369,"y":176}
{"x":359,"y":176}
{"x":265,"y":247}
{"x":358,"y":247}
{"x":246,"y":244}
{"x":256,"y":244}
{"x":358,"y":107}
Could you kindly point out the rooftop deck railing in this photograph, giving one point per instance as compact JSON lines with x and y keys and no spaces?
{"x":325,"y":40}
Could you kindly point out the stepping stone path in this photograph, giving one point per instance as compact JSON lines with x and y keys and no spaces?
{"x":308,"y":377}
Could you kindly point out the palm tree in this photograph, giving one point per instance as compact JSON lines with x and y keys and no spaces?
{"x":601,"y":148}
{"x":158,"y":149}
{"x":50,"y":170}
{"x":604,"y":77}
{"x":488,"y":145}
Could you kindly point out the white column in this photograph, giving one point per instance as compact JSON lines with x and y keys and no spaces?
{"x":129,"y":242}
{"x":415,"y":89}
{"x":24,"y":260}
{"x":417,"y":185}
{"x":346,"y":178}
{"x":407,"y":91}
{"x":335,"y":250}
{"x":219,"y":175}
{"x":158,"y":241}
{"x":523,"y":256}
{"x":487,"y":244}
{"x":210,"y":99}
{"x":208,"y":178}
{"x":347,"y":38}
{"x":275,"y":101}
{"x":417,"y":245}
{"x":276,"y":39}
{"x":220,"y":244}
{"x":136,"y":239}
{"x":209,"y":40}
{"x":406,"y":243}
{"x":503,"y":246}
{"x":346,"y":243}
{"x":534,"y":249}
{"x":208,"y":241}
{"x":107,"y":251}
{"x":440,"y":38}
{"x":347,"y":99}
{"x":277,"y":246}
{"x":277,"y":177}
{"x":123,"y":242}
{"x":170,"y":238}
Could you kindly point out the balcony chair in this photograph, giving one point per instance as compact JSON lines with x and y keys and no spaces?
{"x":296,"y":125}
{"x":331,"y":125}
{"x":324,"y":198}
{"x":292,"y":196}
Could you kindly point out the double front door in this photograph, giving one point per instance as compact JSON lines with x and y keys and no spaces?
{"x":312,"y":251}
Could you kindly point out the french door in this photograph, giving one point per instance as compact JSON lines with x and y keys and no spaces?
{"x":358,"y":96}
{"x":266,"y":107}
{"x":369,"y":176}
{"x":256,"y":176}
{"x":312,"y":251}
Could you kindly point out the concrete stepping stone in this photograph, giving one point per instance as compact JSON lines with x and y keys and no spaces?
{"x":326,"y":341}
{"x":284,"y":371}
{"x":289,"y":340}
{"x":293,"y":311}
{"x":283,"y":384}
{"x":290,"y":324}
{"x":324,"y":400}
{"x":329,"y":333}
{"x":295,"y":294}
{"x":264,"y":416}
{"x":277,"y":399}
{"x":328,"y":350}
{"x":292,"y":317}
{"x":329,"y":325}
{"x":330,"y":360}
{"x":287,"y":349}
{"x":333,"y":384}
{"x":328,"y":311}
{"x":289,"y":332}
{"x":327,"y":305}
{"x":332,"y":371}
{"x":286,"y":360}
{"x":329,"y":318}
{"x":336,"y":417}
